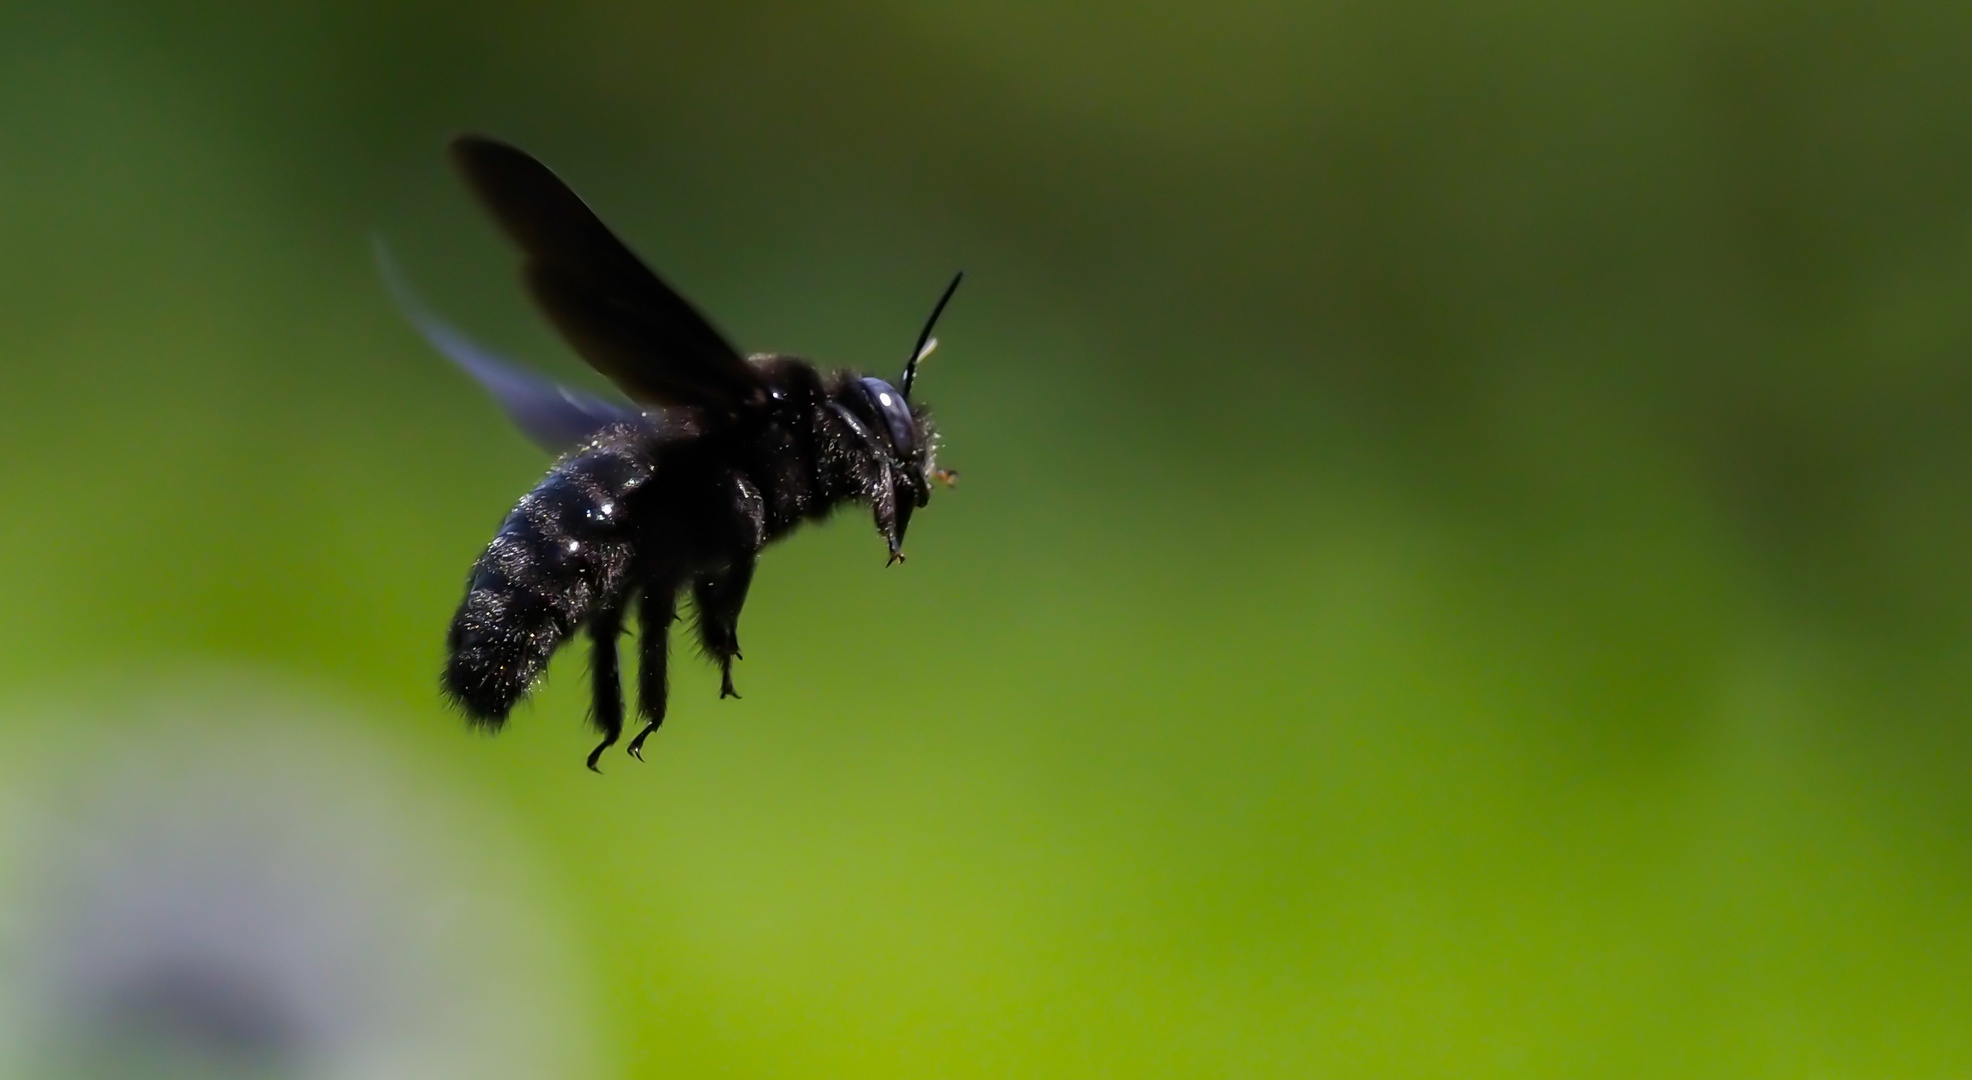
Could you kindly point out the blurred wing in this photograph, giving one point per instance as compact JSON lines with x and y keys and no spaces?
{"x":623,"y":319}
{"x":553,"y":417}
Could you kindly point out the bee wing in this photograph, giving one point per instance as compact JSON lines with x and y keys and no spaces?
{"x":623,"y":319}
{"x":552,"y":416}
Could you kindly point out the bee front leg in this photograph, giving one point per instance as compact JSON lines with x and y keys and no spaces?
{"x":718,"y":598}
{"x":883,"y":507}
{"x":655,"y":614}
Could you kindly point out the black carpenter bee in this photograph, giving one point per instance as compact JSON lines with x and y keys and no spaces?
{"x":720,"y":455}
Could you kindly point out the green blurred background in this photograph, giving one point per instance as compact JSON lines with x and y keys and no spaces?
{"x":1462,"y":567}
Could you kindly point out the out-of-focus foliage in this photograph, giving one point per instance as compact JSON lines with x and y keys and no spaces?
{"x":240,"y":887}
{"x":1462,"y":563}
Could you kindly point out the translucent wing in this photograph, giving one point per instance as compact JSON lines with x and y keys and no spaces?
{"x":623,"y":319}
{"x":553,"y":417}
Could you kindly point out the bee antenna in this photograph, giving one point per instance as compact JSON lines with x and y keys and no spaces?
{"x":911,"y":367}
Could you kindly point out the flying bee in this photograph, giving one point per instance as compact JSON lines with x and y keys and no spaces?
{"x":720,"y":455}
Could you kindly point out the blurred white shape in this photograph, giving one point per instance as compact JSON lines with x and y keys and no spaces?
{"x":248,"y":886}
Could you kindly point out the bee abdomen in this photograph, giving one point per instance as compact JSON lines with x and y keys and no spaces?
{"x":562,"y":555}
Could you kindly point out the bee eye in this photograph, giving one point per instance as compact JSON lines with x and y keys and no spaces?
{"x":896,"y":413}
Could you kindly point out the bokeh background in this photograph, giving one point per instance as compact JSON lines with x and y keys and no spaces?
{"x":1463,"y":567}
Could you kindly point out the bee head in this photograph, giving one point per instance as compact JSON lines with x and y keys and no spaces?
{"x":900,"y":437}
{"x":894,"y":427}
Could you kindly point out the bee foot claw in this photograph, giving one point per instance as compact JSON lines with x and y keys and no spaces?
{"x":637,"y":744}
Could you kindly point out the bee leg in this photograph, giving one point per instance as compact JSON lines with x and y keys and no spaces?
{"x":718,"y":598}
{"x":655,"y":614}
{"x":606,"y":711}
{"x":883,"y":507}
